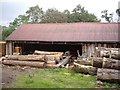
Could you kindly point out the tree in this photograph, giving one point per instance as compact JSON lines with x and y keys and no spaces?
{"x":108,"y":17}
{"x":35,"y":14}
{"x":81,"y":15}
{"x":0,"y":32}
{"x":7,"y":32}
{"x":118,"y":13}
{"x":54,"y":16}
{"x":79,"y":9}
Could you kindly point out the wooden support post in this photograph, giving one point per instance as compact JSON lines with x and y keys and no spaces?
{"x":9,"y":49}
{"x":83,"y":50}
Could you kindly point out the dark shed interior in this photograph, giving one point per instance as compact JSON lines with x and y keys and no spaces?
{"x":29,"y":48}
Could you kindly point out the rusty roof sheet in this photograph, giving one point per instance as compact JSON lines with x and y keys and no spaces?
{"x":67,"y":32}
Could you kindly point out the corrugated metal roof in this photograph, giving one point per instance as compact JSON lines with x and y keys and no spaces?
{"x":67,"y":32}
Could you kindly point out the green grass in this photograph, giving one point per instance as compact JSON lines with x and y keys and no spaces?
{"x":55,"y":78}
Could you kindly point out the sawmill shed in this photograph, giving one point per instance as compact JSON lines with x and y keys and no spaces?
{"x":73,"y":37}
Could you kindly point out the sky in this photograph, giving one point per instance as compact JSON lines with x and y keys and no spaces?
{"x":10,"y":9}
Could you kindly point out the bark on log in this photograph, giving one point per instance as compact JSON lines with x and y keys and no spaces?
{"x":25,"y":57}
{"x":109,"y":52}
{"x":97,"y":62}
{"x":111,"y":63}
{"x":23,"y":63}
{"x":31,"y":57}
{"x":52,"y":57}
{"x":108,"y":75}
{"x":51,"y":66}
{"x":12,"y":57}
{"x":85,"y":69}
{"x":47,"y":53}
{"x":84,"y":61}
{"x":50,"y":62}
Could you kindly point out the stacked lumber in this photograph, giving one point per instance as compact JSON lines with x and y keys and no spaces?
{"x":84,"y":65}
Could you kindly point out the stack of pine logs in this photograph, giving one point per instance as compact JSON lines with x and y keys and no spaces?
{"x":106,"y":66}
{"x":84,"y":65}
{"x":41,"y":59}
{"x":109,"y":65}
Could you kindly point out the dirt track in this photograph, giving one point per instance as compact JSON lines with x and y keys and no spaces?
{"x":9,"y":73}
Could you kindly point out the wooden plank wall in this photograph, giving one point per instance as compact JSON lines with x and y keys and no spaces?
{"x":89,"y":49}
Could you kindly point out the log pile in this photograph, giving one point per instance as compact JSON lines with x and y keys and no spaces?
{"x":111,"y":75}
{"x":84,"y":61}
{"x":111,"y":63}
{"x":108,"y":52}
{"x":41,"y":59}
{"x":85,"y":69}
{"x":97,"y":62}
{"x":108,"y":65}
{"x":38,"y":59}
{"x":84,"y":65}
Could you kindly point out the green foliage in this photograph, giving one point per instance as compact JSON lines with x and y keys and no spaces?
{"x":79,"y":14}
{"x":108,"y":17}
{"x":118,"y":13}
{"x":35,"y":14}
{"x":54,"y":16}
{"x":0,"y":33}
{"x":7,"y":32}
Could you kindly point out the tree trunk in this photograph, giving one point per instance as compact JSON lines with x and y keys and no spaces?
{"x":111,"y":63}
{"x":97,"y":62}
{"x":51,"y":66}
{"x":24,"y":63}
{"x":50,"y":62}
{"x":25,"y":57}
{"x":109,"y":52}
{"x":37,"y":52}
{"x":84,"y":61}
{"x":12,"y":57}
{"x":108,"y":75}
{"x":85,"y":69}
{"x":31,"y":57}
